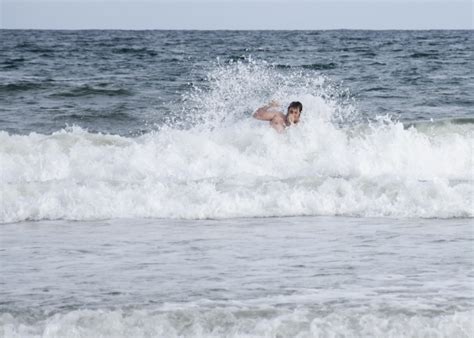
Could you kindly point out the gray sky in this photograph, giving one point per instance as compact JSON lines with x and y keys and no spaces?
{"x":236,"y":14}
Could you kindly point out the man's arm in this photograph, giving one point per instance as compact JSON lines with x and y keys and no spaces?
{"x":267,"y":112}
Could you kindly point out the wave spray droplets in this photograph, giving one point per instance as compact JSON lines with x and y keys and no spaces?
{"x":214,"y":161}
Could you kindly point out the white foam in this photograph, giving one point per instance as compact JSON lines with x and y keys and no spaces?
{"x":235,"y":322}
{"x":234,"y":166}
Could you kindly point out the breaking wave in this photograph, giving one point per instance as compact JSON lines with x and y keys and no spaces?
{"x":212,"y":160}
{"x":237,"y":322}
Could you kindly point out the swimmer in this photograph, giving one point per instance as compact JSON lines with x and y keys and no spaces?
{"x":277,"y":119}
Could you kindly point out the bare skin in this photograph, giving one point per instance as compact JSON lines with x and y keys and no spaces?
{"x":277,"y":119}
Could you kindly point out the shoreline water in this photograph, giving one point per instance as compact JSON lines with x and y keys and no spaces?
{"x":295,"y":275}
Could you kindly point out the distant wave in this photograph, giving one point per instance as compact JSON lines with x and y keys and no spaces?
{"x":313,"y":66}
{"x":446,"y":122}
{"x":320,"y":66}
{"x":116,"y":116}
{"x":419,"y":55}
{"x":21,"y":86}
{"x":33,"y":48}
{"x":467,"y":120}
{"x":131,"y":50}
{"x":377,"y":89}
{"x":12,"y":63}
{"x":91,"y":91}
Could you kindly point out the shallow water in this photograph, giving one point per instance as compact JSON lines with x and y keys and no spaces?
{"x":307,"y":276}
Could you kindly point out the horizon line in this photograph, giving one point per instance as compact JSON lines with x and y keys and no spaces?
{"x":237,"y":30}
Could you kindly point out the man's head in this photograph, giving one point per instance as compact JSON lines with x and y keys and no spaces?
{"x":294,"y":112}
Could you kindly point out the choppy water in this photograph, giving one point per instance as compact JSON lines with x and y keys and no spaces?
{"x":100,"y":130}
{"x":124,"y":82}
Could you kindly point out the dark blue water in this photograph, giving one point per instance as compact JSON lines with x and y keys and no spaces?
{"x":127,"y":82}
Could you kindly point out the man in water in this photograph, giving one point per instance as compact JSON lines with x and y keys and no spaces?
{"x":277,"y":119}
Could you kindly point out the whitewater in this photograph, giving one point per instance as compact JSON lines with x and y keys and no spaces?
{"x":214,"y":161}
{"x":245,"y":277}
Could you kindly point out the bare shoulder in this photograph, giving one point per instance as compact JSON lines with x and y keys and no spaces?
{"x":278,"y":118}
{"x":278,"y":122}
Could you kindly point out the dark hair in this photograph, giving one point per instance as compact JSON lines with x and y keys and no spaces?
{"x":296,"y":104}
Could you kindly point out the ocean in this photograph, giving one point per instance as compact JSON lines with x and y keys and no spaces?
{"x":139,"y":198}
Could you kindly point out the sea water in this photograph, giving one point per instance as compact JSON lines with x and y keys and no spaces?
{"x":246,"y":277}
{"x":139,"y":197}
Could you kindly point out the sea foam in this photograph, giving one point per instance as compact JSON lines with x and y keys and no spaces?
{"x":212,"y":160}
{"x":237,"y":322}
